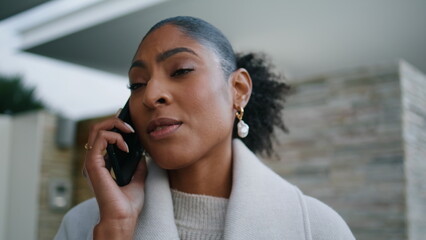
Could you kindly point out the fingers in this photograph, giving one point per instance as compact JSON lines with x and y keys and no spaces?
{"x":98,"y":175}
{"x":95,"y":162}
{"x":140,"y":173}
{"x":115,"y":203}
{"x":108,"y":125}
{"x":107,"y":162}
{"x":95,"y":166}
{"x":104,"y":138}
{"x":135,"y":188}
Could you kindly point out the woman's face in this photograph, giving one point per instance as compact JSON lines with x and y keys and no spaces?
{"x":181,"y":105}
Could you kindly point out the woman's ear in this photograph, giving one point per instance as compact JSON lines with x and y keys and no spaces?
{"x":242,"y":86}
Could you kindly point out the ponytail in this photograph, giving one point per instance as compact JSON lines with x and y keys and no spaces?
{"x":264,"y":110}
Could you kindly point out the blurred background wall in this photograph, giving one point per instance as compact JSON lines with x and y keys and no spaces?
{"x":356,"y":113}
{"x":345,"y":147}
{"x":34,"y":170}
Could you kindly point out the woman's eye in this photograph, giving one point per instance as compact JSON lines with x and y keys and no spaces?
{"x":181,"y":71}
{"x":134,"y":86}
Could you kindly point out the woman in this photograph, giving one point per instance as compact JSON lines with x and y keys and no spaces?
{"x":188,"y":95}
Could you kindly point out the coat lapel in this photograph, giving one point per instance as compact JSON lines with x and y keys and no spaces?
{"x":262,"y":205}
{"x":157,"y":218}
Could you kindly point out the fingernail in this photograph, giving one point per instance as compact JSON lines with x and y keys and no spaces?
{"x":127,"y":147}
{"x":118,"y":112}
{"x":129,"y":127}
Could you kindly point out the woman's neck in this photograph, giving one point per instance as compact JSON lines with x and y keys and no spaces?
{"x":210,"y":176}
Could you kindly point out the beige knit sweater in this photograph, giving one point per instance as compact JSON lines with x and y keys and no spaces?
{"x":198,"y":216}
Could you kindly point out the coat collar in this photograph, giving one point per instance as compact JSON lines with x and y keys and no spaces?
{"x":262,"y":205}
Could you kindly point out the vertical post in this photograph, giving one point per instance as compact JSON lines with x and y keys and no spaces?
{"x":413,"y":92}
{"x":5,"y":125}
{"x":24,"y":176}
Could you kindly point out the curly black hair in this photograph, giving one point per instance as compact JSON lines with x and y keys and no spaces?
{"x":264,"y":109}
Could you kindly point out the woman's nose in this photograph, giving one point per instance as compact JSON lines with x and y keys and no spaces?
{"x":156,"y":94}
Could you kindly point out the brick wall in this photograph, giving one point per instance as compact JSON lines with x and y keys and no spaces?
{"x":345,"y":148}
{"x":55,"y":164}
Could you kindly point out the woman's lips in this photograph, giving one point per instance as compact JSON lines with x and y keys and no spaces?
{"x":162,"y":127}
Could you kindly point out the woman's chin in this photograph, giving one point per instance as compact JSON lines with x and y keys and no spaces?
{"x":170,"y":162}
{"x":171,"y":166}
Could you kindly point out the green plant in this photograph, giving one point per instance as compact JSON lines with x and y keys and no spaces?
{"x":15,"y":97}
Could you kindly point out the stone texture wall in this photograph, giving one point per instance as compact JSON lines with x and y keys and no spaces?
{"x":55,"y":164}
{"x":413,"y":86}
{"x":345,"y":148}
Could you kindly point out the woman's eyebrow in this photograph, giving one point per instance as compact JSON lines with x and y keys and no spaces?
{"x":137,"y":63}
{"x":163,"y":56}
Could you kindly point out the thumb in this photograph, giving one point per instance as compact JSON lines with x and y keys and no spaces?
{"x":140,"y":173}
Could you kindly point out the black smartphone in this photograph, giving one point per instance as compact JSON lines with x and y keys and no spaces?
{"x":124,"y":164}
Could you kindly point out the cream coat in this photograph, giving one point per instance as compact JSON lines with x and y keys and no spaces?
{"x":262,"y":205}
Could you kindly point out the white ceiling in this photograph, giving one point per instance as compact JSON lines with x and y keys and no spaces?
{"x":96,"y":39}
{"x":9,"y":8}
{"x":304,"y":38}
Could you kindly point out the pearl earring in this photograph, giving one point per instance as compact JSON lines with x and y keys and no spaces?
{"x":242,"y":127}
